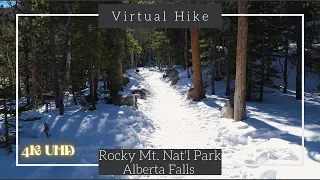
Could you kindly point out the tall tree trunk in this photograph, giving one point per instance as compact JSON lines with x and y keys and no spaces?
{"x":6,"y":123}
{"x":26,"y":70}
{"x":74,"y":89}
{"x":10,"y":69}
{"x":68,"y":60}
{"x":19,"y":87}
{"x":214,"y":62}
{"x":40,"y":59}
{"x":145,"y":58}
{"x":27,"y":83}
{"x":61,"y":98}
{"x":116,"y":80}
{"x":262,"y":81}
{"x":92,"y":82}
{"x":285,"y":73}
{"x":158,"y":59}
{"x":91,"y":74}
{"x":197,"y":92}
{"x":169,"y":50}
{"x":186,"y":51}
{"x":228,"y":89}
{"x":33,"y":66}
{"x":285,"y":68}
{"x":132,"y":60}
{"x":119,"y":73}
{"x":33,"y":73}
{"x":241,"y":60}
{"x":249,"y":80}
{"x":228,"y":74}
{"x":299,"y":61}
{"x":68,"y":45}
{"x":104,"y":79}
{"x":54,"y":76}
{"x":262,"y":76}
{"x":96,"y":83}
{"x":134,"y":65}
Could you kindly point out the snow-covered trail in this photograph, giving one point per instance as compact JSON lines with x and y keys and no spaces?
{"x":178,"y":125}
{"x":181,"y":123}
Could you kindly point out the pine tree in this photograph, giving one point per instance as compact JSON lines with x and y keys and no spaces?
{"x":299,"y":60}
{"x":186,"y":50}
{"x":214,"y":60}
{"x":197,"y":92}
{"x":54,"y":78}
{"x":240,"y":87}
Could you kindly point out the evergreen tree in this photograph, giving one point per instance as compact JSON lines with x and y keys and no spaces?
{"x":240,"y":87}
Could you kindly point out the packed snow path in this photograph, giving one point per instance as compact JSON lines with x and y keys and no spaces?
{"x":177,"y":124}
{"x":181,"y":123}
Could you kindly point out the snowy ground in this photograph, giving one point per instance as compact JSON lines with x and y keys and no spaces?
{"x":271,"y":136}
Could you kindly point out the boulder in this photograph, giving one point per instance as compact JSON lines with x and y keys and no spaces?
{"x":119,"y":100}
{"x":190,"y":93}
{"x":194,"y":96}
{"x":141,"y":92}
{"x":227,"y":110}
{"x":164,"y":76}
{"x":137,"y":70}
{"x":168,"y":71}
{"x":173,"y":75}
{"x":130,"y":100}
{"x":175,"y":81}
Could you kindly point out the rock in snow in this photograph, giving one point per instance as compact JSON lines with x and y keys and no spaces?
{"x":129,"y":100}
{"x":173,"y":75}
{"x":175,"y":81}
{"x":142,"y":93}
{"x":227,"y":110}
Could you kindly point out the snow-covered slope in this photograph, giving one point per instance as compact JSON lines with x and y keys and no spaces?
{"x":109,"y":126}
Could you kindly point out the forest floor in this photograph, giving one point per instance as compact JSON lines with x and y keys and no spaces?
{"x":272,"y":134}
